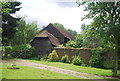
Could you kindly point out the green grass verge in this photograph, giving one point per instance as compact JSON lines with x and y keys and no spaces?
{"x":91,"y":70}
{"x":32,"y":73}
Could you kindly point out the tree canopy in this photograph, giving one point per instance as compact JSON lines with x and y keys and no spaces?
{"x":25,"y":33}
{"x":77,"y":43}
{"x":106,"y":24}
{"x":9,"y":23}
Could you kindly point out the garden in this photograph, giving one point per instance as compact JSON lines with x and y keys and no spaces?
{"x":101,"y":36}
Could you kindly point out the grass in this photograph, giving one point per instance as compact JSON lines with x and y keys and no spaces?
{"x":29,"y":74}
{"x":96,"y":71}
{"x":32,"y":73}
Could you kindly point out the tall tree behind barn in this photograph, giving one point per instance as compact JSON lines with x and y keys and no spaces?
{"x":51,"y":36}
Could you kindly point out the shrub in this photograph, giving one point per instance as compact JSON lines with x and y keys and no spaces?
{"x":65,"y":59}
{"x":96,"y":59}
{"x":40,"y":57}
{"x":43,"y":58}
{"x":22,"y":51}
{"x":107,"y":65}
{"x":53,"y":57}
{"x":119,"y":64}
{"x":77,"y":43}
{"x":77,"y":61}
{"x":6,"y":51}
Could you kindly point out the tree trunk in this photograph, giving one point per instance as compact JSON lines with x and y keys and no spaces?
{"x":6,"y":53}
{"x":115,"y":67}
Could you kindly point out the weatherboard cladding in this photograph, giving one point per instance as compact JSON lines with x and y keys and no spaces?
{"x":42,"y":45}
{"x":56,"y":35}
{"x":50,"y":36}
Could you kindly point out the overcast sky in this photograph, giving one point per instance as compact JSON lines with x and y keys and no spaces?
{"x":50,"y":11}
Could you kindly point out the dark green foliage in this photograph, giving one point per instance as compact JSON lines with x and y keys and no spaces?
{"x":77,"y":61}
{"x":26,"y":32}
{"x":43,"y":57}
{"x":40,"y":57}
{"x":91,"y":42}
{"x":59,"y":25}
{"x":9,"y":23}
{"x":119,"y":64}
{"x":74,"y":33}
{"x":105,"y":25}
{"x":107,"y":65}
{"x":77,"y":53}
{"x":65,"y":59}
{"x":98,"y":61}
{"x":77,"y":43}
{"x":22,"y":51}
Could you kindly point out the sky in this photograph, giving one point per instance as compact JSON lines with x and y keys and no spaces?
{"x":51,"y":11}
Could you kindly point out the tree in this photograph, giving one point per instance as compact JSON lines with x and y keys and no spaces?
{"x":9,"y":23}
{"x":74,"y":33}
{"x":77,"y":43}
{"x":106,"y":24}
{"x":25,"y":33}
{"x":59,"y":25}
{"x":91,"y":42}
{"x":84,"y":28}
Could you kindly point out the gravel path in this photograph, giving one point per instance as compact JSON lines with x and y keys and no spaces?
{"x":54,"y":69}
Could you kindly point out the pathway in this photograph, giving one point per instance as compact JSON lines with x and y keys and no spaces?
{"x":52,"y":68}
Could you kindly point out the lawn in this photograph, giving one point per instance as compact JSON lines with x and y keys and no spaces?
{"x":96,"y":71}
{"x":32,"y":73}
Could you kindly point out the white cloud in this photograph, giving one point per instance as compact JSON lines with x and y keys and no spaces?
{"x":45,"y":12}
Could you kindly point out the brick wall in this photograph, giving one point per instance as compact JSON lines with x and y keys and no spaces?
{"x":85,"y":53}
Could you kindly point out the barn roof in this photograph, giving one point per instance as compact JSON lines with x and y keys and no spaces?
{"x":52,"y":38}
{"x":63,"y":32}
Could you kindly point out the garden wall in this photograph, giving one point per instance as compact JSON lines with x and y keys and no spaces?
{"x":85,"y":53}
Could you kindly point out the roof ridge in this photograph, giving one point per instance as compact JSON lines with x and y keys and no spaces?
{"x":60,"y":30}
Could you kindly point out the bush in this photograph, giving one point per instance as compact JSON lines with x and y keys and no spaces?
{"x":107,"y":65}
{"x":77,"y":61}
{"x":96,"y":59}
{"x":65,"y":59}
{"x":119,"y":64}
{"x":77,"y":43}
{"x":22,"y":51}
{"x":53,"y":57}
{"x":6,"y":52}
{"x":43,"y":58}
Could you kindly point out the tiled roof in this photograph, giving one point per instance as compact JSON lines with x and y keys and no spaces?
{"x":65,"y":33}
{"x":52,"y":38}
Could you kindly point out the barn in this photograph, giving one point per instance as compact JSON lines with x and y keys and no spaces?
{"x":51,"y":36}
